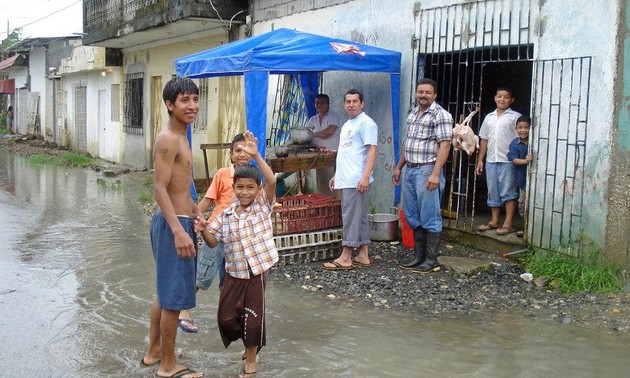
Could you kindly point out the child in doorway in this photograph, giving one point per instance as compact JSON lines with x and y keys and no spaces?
{"x":211,"y":261}
{"x":247,"y":231}
{"x":496,"y":133}
{"x":520,"y":157}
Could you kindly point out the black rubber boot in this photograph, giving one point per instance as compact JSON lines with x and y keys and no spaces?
{"x":419,"y":248}
{"x":430,"y":264}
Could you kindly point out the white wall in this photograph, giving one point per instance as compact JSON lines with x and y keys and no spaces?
{"x":560,"y":28}
{"x":37,"y":68}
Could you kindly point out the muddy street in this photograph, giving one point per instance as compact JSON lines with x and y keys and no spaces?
{"x":78,"y":279}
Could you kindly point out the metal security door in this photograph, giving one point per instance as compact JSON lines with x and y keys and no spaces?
{"x":80,"y":118}
{"x":470,"y":49}
{"x":559,"y":142}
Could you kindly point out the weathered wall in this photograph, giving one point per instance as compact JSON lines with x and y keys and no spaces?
{"x":561,"y":28}
{"x":573,"y":29}
{"x":158,"y":61}
{"x":37,"y":70}
{"x":376,"y":23}
{"x":617,"y":245}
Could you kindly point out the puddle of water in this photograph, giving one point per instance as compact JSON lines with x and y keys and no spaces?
{"x":78,"y":279}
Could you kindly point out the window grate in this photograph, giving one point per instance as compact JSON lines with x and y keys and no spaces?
{"x":201,"y":123}
{"x":134,"y":85}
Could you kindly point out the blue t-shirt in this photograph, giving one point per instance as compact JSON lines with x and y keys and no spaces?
{"x":518,"y":150}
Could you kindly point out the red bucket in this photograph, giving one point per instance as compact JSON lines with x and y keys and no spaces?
{"x":407,"y":232}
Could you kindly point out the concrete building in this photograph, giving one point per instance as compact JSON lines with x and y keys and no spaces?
{"x":150,"y":35}
{"x":565,"y":62}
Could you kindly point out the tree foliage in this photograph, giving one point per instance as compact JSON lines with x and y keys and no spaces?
{"x":14,"y":37}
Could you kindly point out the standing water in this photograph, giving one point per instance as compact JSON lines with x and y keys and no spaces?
{"x":77,"y":280}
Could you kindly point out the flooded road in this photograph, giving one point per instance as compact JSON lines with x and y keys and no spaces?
{"x":77,"y":280}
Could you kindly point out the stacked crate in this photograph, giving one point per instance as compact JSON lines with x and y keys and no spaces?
{"x":307,"y":228}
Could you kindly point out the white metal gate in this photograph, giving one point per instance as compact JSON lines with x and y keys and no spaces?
{"x":556,"y":181}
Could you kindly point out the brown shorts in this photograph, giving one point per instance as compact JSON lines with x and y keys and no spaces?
{"x":242,"y":311}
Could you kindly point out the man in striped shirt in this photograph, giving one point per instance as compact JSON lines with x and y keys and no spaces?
{"x":428,"y":143}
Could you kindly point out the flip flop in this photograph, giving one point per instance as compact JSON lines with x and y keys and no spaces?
{"x":178,"y":353}
{"x":486,"y":227}
{"x":505,"y":230}
{"x":178,"y":374}
{"x":358,"y":263}
{"x":186,"y":328}
{"x":337,"y":266}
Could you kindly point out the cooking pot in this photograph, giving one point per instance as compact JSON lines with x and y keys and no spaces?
{"x":301,"y":135}
{"x":281,"y":151}
{"x":383,"y":226}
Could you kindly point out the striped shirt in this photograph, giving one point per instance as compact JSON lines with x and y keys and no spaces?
{"x":248,"y":238}
{"x":424,"y":131}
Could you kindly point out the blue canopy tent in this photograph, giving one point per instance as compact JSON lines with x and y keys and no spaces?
{"x":285,"y":51}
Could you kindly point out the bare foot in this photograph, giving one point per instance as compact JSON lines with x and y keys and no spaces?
{"x":150,"y":360}
{"x":338,"y":265}
{"x":249,"y":371}
{"x":186,"y":323}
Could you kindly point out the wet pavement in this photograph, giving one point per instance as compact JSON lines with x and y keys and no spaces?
{"x":77,"y":280}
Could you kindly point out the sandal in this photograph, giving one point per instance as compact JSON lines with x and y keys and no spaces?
{"x":486,"y":227}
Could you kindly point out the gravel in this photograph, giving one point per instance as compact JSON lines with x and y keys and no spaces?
{"x":386,"y":286}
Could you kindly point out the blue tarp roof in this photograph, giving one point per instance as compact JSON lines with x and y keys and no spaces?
{"x":286,"y":51}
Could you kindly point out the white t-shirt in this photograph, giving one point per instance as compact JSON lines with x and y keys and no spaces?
{"x":499,"y":132}
{"x":331,"y":118}
{"x":356,"y":135}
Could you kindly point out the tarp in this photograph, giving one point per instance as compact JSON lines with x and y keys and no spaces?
{"x":285,"y":51}
{"x":7,"y":86}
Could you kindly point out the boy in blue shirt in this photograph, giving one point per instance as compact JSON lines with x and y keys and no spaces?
{"x":520,"y":157}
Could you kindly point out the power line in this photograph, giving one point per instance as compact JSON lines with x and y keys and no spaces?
{"x":39,"y":19}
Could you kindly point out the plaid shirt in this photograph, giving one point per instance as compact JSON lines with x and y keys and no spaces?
{"x":425,"y":131}
{"x":248,"y":238}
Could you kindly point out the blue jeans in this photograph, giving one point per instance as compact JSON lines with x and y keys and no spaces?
{"x":422,"y":206}
{"x":210,"y":262}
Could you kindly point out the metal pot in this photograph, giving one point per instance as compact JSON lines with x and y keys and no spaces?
{"x":384,"y":227}
{"x":301,"y":135}
{"x":281,"y":151}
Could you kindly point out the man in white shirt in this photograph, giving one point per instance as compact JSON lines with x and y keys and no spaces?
{"x":325,"y":126}
{"x":356,"y":157}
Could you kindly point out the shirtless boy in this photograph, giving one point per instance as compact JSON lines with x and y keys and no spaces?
{"x":173,"y":238}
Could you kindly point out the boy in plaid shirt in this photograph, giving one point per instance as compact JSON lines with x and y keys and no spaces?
{"x":246,"y":229}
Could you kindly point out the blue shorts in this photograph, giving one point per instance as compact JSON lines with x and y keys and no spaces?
{"x":175,"y":275}
{"x":210,"y":262}
{"x":501,"y":180}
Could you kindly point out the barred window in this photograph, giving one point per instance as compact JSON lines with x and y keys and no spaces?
{"x":134,"y":84}
{"x":201,"y":123}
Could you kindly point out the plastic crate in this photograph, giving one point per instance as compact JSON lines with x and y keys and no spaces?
{"x":305,"y":213}
{"x":306,"y":247}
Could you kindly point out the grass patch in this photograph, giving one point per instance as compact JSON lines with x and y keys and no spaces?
{"x":75,"y":159}
{"x":40,"y":159}
{"x":145,"y":196}
{"x":587,"y":273}
{"x":69,"y":158}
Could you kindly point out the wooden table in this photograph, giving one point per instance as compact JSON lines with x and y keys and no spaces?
{"x":302,"y":161}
